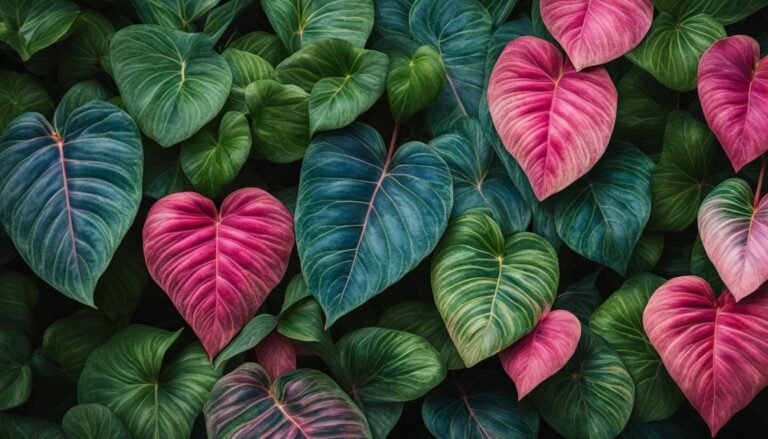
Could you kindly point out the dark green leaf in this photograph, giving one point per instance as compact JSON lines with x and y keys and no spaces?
{"x":246,"y":68}
{"x":93,"y":421}
{"x":15,"y":374}
{"x":84,"y":54}
{"x":32,"y":25}
{"x":19,"y":94}
{"x":263,"y":44}
{"x":173,"y":14}
{"x":647,"y":252}
{"x":251,"y":334}
{"x":280,"y":115}
{"x":18,"y":296}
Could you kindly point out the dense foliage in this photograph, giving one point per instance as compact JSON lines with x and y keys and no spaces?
{"x":373,"y":218}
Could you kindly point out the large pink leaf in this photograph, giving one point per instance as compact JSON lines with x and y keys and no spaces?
{"x":715,"y":349}
{"x":276,"y":354}
{"x":556,"y":122}
{"x":733,"y":89}
{"x":593,"y":32}
{"x":543,"y":351}
{"x":218,"y":267}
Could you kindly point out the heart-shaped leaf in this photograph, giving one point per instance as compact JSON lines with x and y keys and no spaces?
{"x":733,"y":89}
{"x":173,"y":14}
{"x":491,"y":291}
{"x":213,"y":157}
{"x":543,"y":351}
{"x":218,"y":266}
{"x":366,"y":216}
{"x":20,"y":93}
{"x":672,"y":49}
{"x":735,"y":234}
{"x":691,"y":165}
{"x":414,"y":80}
{"x":56,"y":192}
{"x":172,"y":82}
{"x":478,"y":404}
{"x":32,"y":25}
{"x":305,"y":402}
{"x":594,"y":32}
{"x":83,"y":55}
{"x":568,"y":116}
{"x":246,"y":68}
{"x":154,"y":396}
{"x":591,"y":396}
{"x":77,"y":96}
{"x":280,"y":115}
{"x":388,"y":365}
{"x":263,"y":44}
{"x":276,"y":354}
{"x":619,"y":320}
{"x":15,"y":374}
{"x":602,"y":216}
{"x":93,"y":421}
{"x":726,"y":12}
{"x":715,"y":349}
{"x":302,"y":22}
{"x":343,"y":81}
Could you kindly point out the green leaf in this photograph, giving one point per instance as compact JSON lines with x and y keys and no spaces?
{"x":382,"y":416}
{"x":280,"y":115}
{"x":77,"y":96}
{"x":20,"y":93}
{"x":647,"y":252}
{"x":692,"y":164}
{"x":422,"y":318}
{"x":83,"y":55}
{"x":479,"y":404}
{"x":414,"y":80}
{"x":724,"y":11}
{"x":14,"y":426}
{"x":591,"y":396}
{"x":301,"y":317}
{"x":343,"y":81}
{"x":219,"y":19}
{"x":172,"y":82}
{"x":459,"y":30}
{"x":55,"y":193}
{"x":93,"y":421}
{"x":246,"y":68}
{"x":300,"y":23}
{"x":153,"y":396}
{"x":581,"y":298}
{"x":53,"y":392}
{"x":490,"y":290}
{"x":32,"y":25}
{"x":212,"y":158}
{"x":704,"y":268}
{"x":499,"y":10}
{"x":173,"y":14}
{"x":644,"y":105}
{"x":251,"y":334}
{"x":163,"y":174}
{"x":388,"y":365}
{"x":263,"y":44}
{"x":672,"y":48}
{"x":18,"y":296}
{"x":676,"y":258}
{"x":602,"y":215}
{"x":68,"y":342}
{"x":121,"y":287}
{"x":392,"y":17}
{"x":479,"y":178}
{"x":15,"y":374}
{"x":619,"y":321}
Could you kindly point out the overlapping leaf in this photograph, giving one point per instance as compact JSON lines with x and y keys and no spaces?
{"x":20,"y":93}
{"x":32,"y":25}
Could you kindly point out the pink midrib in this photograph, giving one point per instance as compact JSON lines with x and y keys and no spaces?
{"x":62,"y":161}
{"x":465,"y":400}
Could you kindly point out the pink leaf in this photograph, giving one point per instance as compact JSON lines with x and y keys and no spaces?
{"x":276,"y":354}
{"x":218,"y":267}
{"x":715,"y":349}
{"x":733,"y":89}
{"x":556,"y":122}
{"x":594,"y":32}
{"x":543,"y":351}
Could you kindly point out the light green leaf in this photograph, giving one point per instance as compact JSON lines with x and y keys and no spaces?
{"x":83,"y":55}
{"x":93,"y":421}
{"x":343,"y":81}
{"x":172,"y":82}
{"x":300,"y":23}
{"x":725,"y":11}
{"x":263,"y":44}
{"x":251,"y":334}
{"x":280,"y":115}
{"x":32,"y":25}
{"x":20,"y":93}
{"x":15,"y":374}
{"x":246,"y":68}
{"x":619,"y":321}
{"x":18,"y":296}
{"x":490,"y":290}
{"x":414,"y":80}
{"x":173,"y":14}
{"x":212,"y":158}
{"x":672,"y":48}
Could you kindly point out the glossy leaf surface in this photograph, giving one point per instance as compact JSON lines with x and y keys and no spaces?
{"x":280,"y":116}
{"x":32,"y":25}
{"x":414,"y":80}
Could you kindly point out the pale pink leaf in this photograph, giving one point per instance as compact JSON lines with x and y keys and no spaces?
{"x":594,"y":32}
{"x":733,"y":90}
{"x":556,"y":122}
{"x":218,"y":267}
{"x":715,"y":349}
{"x":276,"y":354}
{"x":543,"y":351}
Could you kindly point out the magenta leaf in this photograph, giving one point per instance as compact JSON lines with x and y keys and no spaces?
{"x":733,"y":89}
{"x":714,"y":348}
{"x":594,"y":32}
{"x":543,"y":351}
{"x":555,"y":121}
{"x":276,"y":354}
{"x":218,"y":267}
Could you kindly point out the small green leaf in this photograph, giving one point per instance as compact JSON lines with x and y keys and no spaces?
{"x":246,"y":68}
{"x":173,"y":14}
{"x":263,"y":44}
{"x":93,"y":421}
{"x":251,"y":334}
{"x":212,"y":158}
{"x":280,"y":115}
{"x":84,"y":54}
{"x":15,"y":374}
{"x":20,"y":93}
{"x":414,"y":80}
{"x":32,"y":25}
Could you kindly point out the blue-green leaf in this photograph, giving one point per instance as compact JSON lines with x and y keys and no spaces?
{"x":392,"y":17}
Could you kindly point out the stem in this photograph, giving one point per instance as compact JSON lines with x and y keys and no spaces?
{"x":760,"y":181}
{"x":393,"y":142}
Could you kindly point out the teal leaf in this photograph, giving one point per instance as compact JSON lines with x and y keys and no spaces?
{"x":172,"y":82}
{"x":20,"y":93}
{"x":603,"y":214}
{"x":280,"y":115}
{"x":499,"y":10}
{"x":343,"y":81}
{"x":32,"y":25}
{"x":15,"y":374}
{"x":581,"y":298}
{"x":172,"y":14}
{"x":18,"y":297}
{"x":154,"y":396}
{"x":300,"y":23}
{"x":246,"y":68}
{"x":93,"y":421}
{"x":83,"y":55}
{"x":55,"y":193}
{"x":263,"y":44}
{"x":392,"y":17}
{"x":251,"y":334}
{"x":365,"y":217}
{"x":414,"y":80}
{"x":503,"y":35}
